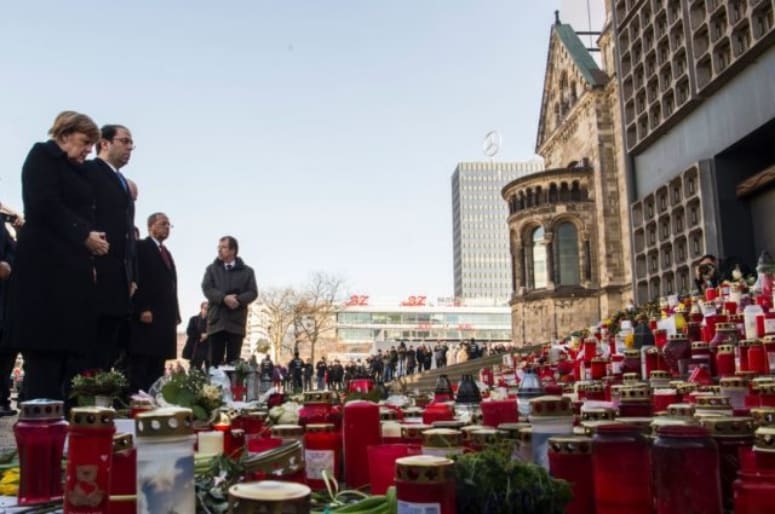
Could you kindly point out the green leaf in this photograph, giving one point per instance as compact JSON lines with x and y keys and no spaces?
{"x":170,"y":392}
{"x":185,"y":398}
{"x":199,"y":412}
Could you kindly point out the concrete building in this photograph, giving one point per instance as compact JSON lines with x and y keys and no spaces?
{"x":699,"y":119}
{"x":479,"y":235}
{"x":569,"y":237}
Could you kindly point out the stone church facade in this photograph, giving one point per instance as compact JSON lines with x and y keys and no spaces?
{"x":569,"y":224}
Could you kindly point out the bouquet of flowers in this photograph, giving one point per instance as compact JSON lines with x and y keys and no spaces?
{"x":92,"y":383}
{"x":194,"y":391}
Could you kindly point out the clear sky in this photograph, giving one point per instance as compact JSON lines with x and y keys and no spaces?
{"x":320,"y":133}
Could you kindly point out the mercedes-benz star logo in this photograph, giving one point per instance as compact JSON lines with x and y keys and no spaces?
{"x":491,"y":144}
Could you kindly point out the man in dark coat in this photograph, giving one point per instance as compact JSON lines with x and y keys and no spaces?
{"x":155,"y":307}
{"x":197,"y":348}
{"x":229,"y":285}
{"x":114,"y":215}
{"x":7,"y":358}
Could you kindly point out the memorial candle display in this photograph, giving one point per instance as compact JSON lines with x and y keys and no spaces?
{"x":322,"y":452}
{"x":123,"y":476}
{"x":570,"y":458}
{"x":361,"y":428}
{"x":622,"y":470}
{"x":425,"y":483}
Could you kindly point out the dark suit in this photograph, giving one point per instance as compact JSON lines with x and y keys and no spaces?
{"x":115,"y":212}
{"x":157,"y":291}
{"x":7,"y":358}
{"x":51,"y":315}
{"x":199,"y":350}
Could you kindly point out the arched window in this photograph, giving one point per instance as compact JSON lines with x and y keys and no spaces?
{"x":566,"y":258}
{"x":540,"y":268}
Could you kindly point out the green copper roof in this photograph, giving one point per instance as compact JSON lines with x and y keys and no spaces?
{"x":581,"y":56}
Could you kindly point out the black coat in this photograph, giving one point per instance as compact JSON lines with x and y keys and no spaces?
{"x":114,"y":215}
{"x":51,"y":303}
{"x":7,"y":254}
{"x":157,"y":291}
{"x":216,"y":284}
{"x":197,"y":325}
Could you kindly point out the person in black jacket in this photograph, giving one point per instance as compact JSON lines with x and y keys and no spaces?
{"x":114,"y":215}
{"x":155,"y":313}
{"x":7,"y":358}
{"x":197,"y":347}
{"x":51,"y":315}
{"x":229,"y":285}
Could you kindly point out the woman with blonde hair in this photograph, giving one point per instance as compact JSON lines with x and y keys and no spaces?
{"x":51,"y":316}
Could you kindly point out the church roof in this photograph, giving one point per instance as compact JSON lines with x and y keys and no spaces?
{"x":581,"y":56}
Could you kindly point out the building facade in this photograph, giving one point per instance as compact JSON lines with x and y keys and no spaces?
{"x":479,"y":235}
{"x":699,"y":119}
{"x":569,"y":237}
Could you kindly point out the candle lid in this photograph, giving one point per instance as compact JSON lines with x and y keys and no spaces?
{"x":424,"y":469}
{"x":643,"y":424}
{"x":661,"y":421}
{"x":41,"y":410}
{"x":631,"y":376}
{"x":726,"y":327}
{"x":764,"y":439}
{"x":652,"y":350}
{"x":287,"y":431}
{"x":712,"y":389}
{"x":169,"y":421}
{"x":413,"y":430}
{"x":768,"y":339}
{"x":712,"y":401}
{"x":599,"y":360}
{"x":253,"y":414}
{"x":676,"y":383}
{"x":699,"y":345}
{"x":726,"y":348}
{"x":319,"y":397}
{"x":676,"y":337}
{"x":681,"y":409}
{"x":732,"y":383}
{"x":686,"y":388}
{"x":729,"y":426}
{"x":682,"y":430}
{"x":449,"y":423}
{"x":659,"y":374}
{"x":486,"y":436}
{"x":767,"y":388}
{"x":320,"y":427}
{"x":632,"y":354}
{"x":270,"y":491}
{"x":636,"y":393}
{"x":511,"y":430}
{"x":745,"y":343}
{"x":590,"y":427}
{"x":91,"y":417}
{"x":758,"y":382}
{"x":526,"y":434}
{"x":763,"y":416}
{"x":571,"y":445}
{"x":551,"y":406}
{"x":442,"y":437}
{"x":590,"y":387}
{"x":122,"y":442}
{"x":387,"y":414}
{"x":597,"y":414}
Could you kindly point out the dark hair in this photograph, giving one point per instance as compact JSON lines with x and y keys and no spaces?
{"x":153,"y":217}
{"x":108,"y":132}
{"x":708,"y":256}
{"x":233,"y":244}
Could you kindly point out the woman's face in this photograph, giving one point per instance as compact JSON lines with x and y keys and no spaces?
{"x":76,"y":145}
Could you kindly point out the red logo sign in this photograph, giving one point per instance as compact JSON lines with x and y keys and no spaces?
{"x":414,"y":301}
{"x":357,"y":300}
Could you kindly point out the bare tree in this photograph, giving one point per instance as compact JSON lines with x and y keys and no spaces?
{"x":315,"y":310}
{"x":281,"y":307}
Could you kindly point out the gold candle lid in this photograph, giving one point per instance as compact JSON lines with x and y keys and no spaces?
{"x":387,"y":415}
{"x":449,"y":423}
{"x":662,"y":421}
{"x":686,"y":388}
{"x":729,"y":426}
{"x":685,"y":410}
{"x":571,"y":445}
{"x":590,"y":427}
{"x":726,"y":348}
{"x":639,"y":393}
{"x":511,"y":430}
{"x":768,"y":339}
{"x":412,"y":412}
{"x":270,"y":491}
{"x":282,"y":431}
{"x":676,"y":337}
{"x":725,"y":327}
{"x":122,"y":442}
{"x":597,"y":414}
{"x":675,"y":384}
{"x":319,"y":397}
{"x":591,"y":387}
{"x":426,"y":469}
{"x":442,"y":438}
{"x":486,"y":436}
{"x":763,"y":416}
{"x":413,"y":431}
{"x":631,"y":376}
{"x":659,"y":374}
{"x":92,"y":417}
{"x":711,"y":389}
{"x":712,"y":401}
{"x":632,"y":354}
{"x":545,"y":406}
{"x":600,"y":360}
{"x":168,"y":421}
{"x":42,"y":410}
{"x":641,"y":423}
{"x":764,"y":439}
{"x":759,"y":381}
{"x":699,"y":345}
{"x":732,"y":383}
{"x":526,"y":434}
{"x":745,"y":343}
{"x":320,"y":427}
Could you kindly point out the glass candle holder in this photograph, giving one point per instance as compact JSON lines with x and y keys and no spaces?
{"x":731,"y":436}
{"x":322,"y":452}
{"x":570,"y":459}
{"x":725,"y":361}
{"x":425,"y":483}
{"x":442,"y":442}
{"x":549,"y":416}
{"x":269,"y":496}
{"x":622,"y":470}
{"x":123,"y":476}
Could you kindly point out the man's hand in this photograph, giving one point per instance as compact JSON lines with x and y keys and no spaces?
{"x":203,"y":336}
{"x":231,"y":301}
{"x":5,"y":270}
{"x":132,"y":289}
{"x":96,"y":243}
{"x":146,"y":317}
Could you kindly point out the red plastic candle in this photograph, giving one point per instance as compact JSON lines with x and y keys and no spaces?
{"x":725,"y":361}
{"x":89,"y":460}
{"x":598,"y":368}
{"x":731,"y":435}
{"x":123,"y":476}
{"x":757,"y":358}
{"x":495,"y":412}
{"x":319,"y":408}
{"x":322,"y":452}
{"x":361,"y":428}
{"x":622,"y":470}
{"x":686,"y":471}
{"x":425,"y":483}
{"x":40,"y":437}
{"x":570,"y":458}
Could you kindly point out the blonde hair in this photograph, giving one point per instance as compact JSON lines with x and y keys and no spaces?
{"x":68,"y":122}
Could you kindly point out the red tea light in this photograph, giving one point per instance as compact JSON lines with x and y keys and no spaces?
{"x":663,"y":398}
{"x":622,"y":470}
{"x":412,"y":432}
{"x":599,"y":368}
{"x":570,"y":459}
{"x":425,"y":483}
{"x":322,"y":452}
{"x":725,"y":361}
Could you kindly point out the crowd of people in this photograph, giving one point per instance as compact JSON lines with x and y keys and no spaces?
{"x":108,"y":297}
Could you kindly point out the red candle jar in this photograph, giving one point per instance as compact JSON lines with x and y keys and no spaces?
{"x":411,"y":433}
{"x":765,"y":324}
{"x":677,"y":353}
{"x":322,"y":452}
{"x":319,"y":408}
{"x":663,"y":398}
{"x":734,"y":387}
{"x":731,"y":435}
{"x":598,"y":369}
{"x":622,"y":470}
{"x":616,"y":364}
{"x":711,"y":293}
{"x":425,"y":483}
{"x":686,"y":471}
{"x":654,"y":361}
{"x":635,"y":401}
{"x":660,"y":338}
{"x":725,"y":361}
{"x":701,"y":353}
{"x":709,"y":330}
{"x":361,"y":428}
{"x":590,"y":350}
{"x":89,"y":460}
{"x":631,"y":363}
{"x":769,"y":349}
{"x":767,"y":395}
{"x":757,"y":358}
{"x":694,"y":331}
{"x":234,"y":443}
{"x":40,"y":438}
{"x":495,"y":412}
{"x":360,"y":385}
{"x":252,"y":422}
{"x":726,"y":334}
{"x":438,"y":412}
{"x":570,"y":459}
{"x":123,"y":476}
{"x":591,"y":391}
{"x":139,"y":405}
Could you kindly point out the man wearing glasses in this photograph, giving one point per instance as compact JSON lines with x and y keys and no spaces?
{"x":115,"y":216}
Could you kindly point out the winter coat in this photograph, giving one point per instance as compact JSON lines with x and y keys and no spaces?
{"x":219,"y":282}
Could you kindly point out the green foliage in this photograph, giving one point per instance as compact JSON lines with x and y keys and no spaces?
{"x":98,"y":383}
{"x":490,"y":482}
{"x":241,"y":370}
{"x":194,"y":391}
